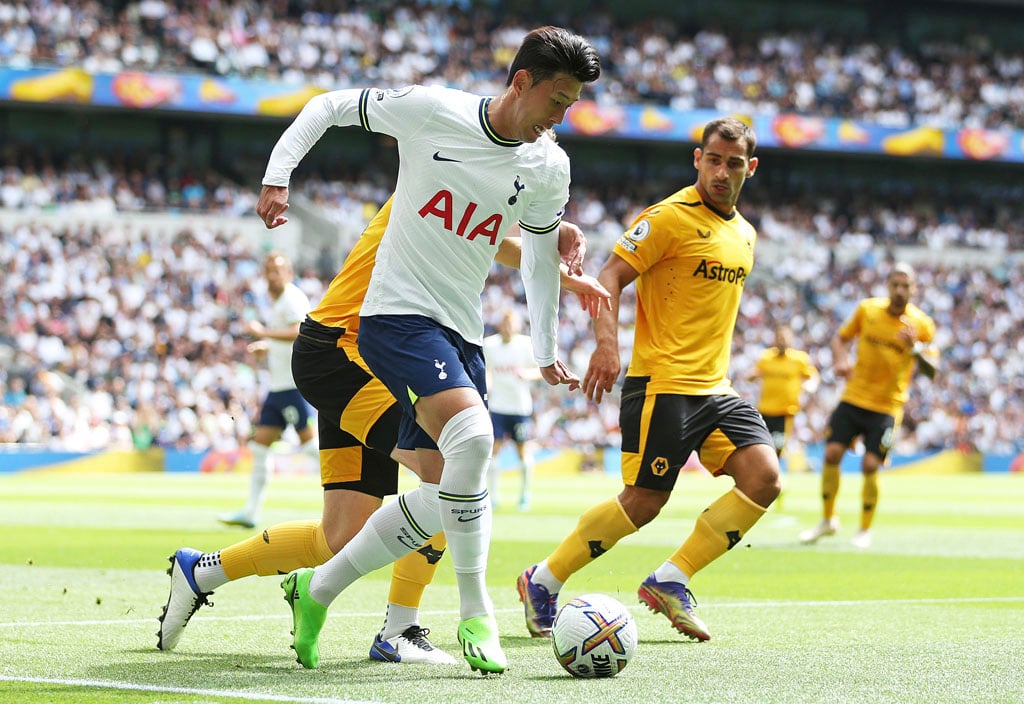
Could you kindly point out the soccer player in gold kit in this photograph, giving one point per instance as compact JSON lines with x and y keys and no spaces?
{"x":893,"y":338}
{"x":690,"y":255}
{"x":784,"y":372}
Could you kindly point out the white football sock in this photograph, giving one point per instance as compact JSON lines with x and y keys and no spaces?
{"x":397,"y":619}
{"x":465,"y":443}
{"x":668,"y":572}
{"x":392,"y":531}
{"x":493,"y":474}
{"x":543,"y":576}
{"x":312,"y":448}
{"x":209,"y":572}
{"x":524,"y":496}
{"x":261,"y":469}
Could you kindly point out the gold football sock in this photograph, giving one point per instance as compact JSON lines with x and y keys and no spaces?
{"x":869,"y":500}
{"x":597,"y":531}
{"x":721,"y":526}
{"x":411,"y":574}
{"x":277,"y":550}
{"x":829,"y":487}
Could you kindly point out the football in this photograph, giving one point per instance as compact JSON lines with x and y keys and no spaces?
{"x":594,"y":636}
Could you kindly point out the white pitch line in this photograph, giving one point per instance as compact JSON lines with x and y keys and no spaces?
{"x":709,"y":606}
{"x":253,"y":696}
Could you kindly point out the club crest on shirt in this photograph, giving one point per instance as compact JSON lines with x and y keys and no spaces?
{"x":515,"y":196}
{"x":640,"y":231}
{"x":393,"y":92}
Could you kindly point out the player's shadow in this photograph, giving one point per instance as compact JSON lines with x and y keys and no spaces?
{"x":259,"y":671}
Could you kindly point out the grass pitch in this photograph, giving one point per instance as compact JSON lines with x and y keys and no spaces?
{"x":934,"y":612}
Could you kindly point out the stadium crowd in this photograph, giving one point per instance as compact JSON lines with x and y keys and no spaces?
{"x":137,"y":342}
{"x":656,"y":59}
{"x":122,"y":339}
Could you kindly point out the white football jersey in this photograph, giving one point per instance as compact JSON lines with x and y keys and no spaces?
{"x":460,"y":186}
{"x":507,"y":391}
{"x":289,"y":308}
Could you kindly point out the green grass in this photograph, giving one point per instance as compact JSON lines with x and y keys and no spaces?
{"x":934,"y":612}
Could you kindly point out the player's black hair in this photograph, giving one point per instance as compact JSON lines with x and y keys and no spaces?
{"x":547,"y":51}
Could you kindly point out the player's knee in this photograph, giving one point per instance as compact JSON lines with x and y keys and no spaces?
{"x":755,"y":469}
{"x":834,"y":452}
{"x":467,"y":435}
{"x":642,"y":505}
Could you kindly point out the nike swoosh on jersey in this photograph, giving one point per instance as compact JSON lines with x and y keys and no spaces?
{"x":438,"y":157}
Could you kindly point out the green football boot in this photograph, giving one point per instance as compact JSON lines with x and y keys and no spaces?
{"x":307,"y":617}
{"x":479,"y":639}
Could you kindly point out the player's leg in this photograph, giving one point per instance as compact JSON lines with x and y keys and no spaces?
{"x":268,"y":431}
{"x":394,"y":530}
{"x":402,"y":638}
{"x":306,"y":430}
{"x":373,"y":417}
{"x":604,"y":525}
{"x":287,"y":546}
{"x":464,"y":441}
{"x":523,"y":449}
{"x":440,"y":379}
{"x":842,"y":428}
{"x":739,"y":446}
{"x":493,"y":470}
{"x":877,"y":443}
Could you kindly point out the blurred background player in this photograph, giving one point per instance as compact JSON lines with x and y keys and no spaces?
{"x":283,"y":406}
{"x":784,"y":373}
{"x":511,"y":371}
{"x":677,"y":397}
{"x":893,"y":337}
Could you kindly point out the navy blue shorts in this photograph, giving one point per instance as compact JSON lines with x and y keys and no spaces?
{"x":507,"y":425}
{"x":283,"y":408}
{"x":416,"y":357}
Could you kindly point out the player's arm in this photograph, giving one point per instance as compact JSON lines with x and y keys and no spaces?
{"x":927,"y":358}
{"x":339,"y":108}
{"x":925,"y":355}
{"x":592,"y":294}
{"x":811,"y":378}
{"x":755,"y":373}
{"x":605,"y":362}
{"x":285,"y":334}
{"x":840,"y":355}
{"x":539,"y":268}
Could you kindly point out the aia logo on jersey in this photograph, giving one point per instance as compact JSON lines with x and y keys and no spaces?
{"x":470,"y":224}
{"x":716,"y":271}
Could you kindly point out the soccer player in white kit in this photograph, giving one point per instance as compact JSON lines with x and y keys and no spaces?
{"x":468,"y":166}
{"x":283,"y":405}
{"x":511,"y":372}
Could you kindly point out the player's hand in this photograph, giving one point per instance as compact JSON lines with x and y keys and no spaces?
{"x":602,"y":373}
{"x":272,"y":205}
{"x":254,"y":328}
{"x":558,"y":373}
{"x":572,"y":247}
{"x":907,"y":333}
{"x":841,"y":370}
{"x":593,"y":296}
